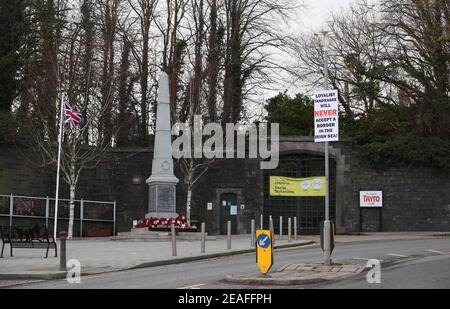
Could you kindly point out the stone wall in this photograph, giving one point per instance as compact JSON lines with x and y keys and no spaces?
{"x":415,"y":198}
{"x":241,"y":177}
{"x":120,"y":177}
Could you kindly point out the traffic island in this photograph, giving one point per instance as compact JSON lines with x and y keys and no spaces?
{"x":300,"y":274}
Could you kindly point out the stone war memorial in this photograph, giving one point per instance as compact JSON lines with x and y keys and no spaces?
{"x":162,"y":182}
{"x":162,"y":210}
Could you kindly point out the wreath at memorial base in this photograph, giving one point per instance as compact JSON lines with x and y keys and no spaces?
{"x":180,"y":223}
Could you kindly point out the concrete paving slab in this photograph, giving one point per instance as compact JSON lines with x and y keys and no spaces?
{"x":291,"y":267}
{"x":283,"y":267}
{"x":350,"y":268}
{"x":305,"y":268}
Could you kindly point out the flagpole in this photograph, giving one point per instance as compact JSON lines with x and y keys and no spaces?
{"x":59,"y":163}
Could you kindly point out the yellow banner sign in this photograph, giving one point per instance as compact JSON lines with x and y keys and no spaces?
{"x":304,"y":187}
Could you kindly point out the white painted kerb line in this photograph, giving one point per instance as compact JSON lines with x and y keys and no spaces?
{"x":364,"y":259}
{"x":397,"y":255}
{"x":438,"y":252}
{"x":192,"y":287}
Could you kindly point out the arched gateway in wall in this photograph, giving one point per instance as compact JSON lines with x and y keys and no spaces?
{"x":300,"y":157}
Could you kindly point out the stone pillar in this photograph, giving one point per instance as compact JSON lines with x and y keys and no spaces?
{"x":162,"y":183}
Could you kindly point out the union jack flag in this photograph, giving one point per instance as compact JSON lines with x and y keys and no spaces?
{"x":72,"y":115}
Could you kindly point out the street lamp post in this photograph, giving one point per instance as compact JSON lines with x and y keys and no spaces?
{"x":325,"y":36}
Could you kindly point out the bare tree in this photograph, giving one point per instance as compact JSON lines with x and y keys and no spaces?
{"x":386,"y":53}
{"x":76,"y":155}
{"x":252,"y":29}
{"x":194,"y":102}
{"x":199,"y":22}
{"x":81,"y":148}
{"x":193,"y":170}
{"x":46,"y":12}
{"x":124,"y":121}
{"x":357,"y":60}
{"x":173,"y":48}
{"x":215,"y":46}
{"x":110,"y":15}
{"x":88,"y":40}
{"x":419,"y":58}
{"x":145,"y":10}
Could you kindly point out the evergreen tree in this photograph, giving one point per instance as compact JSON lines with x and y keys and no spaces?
{"x":12,"y":33}
{"x":294,"y":114}
{"x":13,"y":27}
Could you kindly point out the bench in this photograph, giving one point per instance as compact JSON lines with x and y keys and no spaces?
{"x":27,"y":238}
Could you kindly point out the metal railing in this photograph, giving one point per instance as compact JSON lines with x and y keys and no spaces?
{"x":30,"y":207}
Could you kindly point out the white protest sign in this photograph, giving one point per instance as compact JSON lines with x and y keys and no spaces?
{"x":326,"y":116}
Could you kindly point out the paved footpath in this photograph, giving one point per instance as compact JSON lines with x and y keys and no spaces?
{"x":102,"y":255}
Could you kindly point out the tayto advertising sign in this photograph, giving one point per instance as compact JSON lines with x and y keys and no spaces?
{"x":371,"y":199}
{"x":326,"y":116}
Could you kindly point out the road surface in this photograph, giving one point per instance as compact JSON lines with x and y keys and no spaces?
{"x":406,"y":264}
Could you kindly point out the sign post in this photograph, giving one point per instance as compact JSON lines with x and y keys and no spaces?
{"x":326,"y":126}
{"x":264,"y":250}
{"x":326,"y":130}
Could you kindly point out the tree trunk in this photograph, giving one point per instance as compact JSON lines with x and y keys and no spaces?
{"x":232,"y":104}
{"x":123,"y":124}
{"x":188,"y":204}
{"x":88,"y":27}
{"x":190,"y":179}
{"x":72,"y":211}
{"x":198,"y":62}
{"x":107,"y":78}
{"x":144,"y":84}
{"x":47,"y":93}
{"x":213,"y":71}
{"x":72,"y":186}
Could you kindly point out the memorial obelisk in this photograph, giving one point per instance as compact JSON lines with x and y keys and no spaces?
{"x":162,"y":182}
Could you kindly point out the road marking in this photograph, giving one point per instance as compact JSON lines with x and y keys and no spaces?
{"x":397,"y":255}
{"x":365,"y":259}
{"x":192,"y":287}
{"x":438,"y":252}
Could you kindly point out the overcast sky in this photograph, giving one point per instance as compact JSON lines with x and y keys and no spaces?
{"x":317,"y":12}
{"x":311,"y":18}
